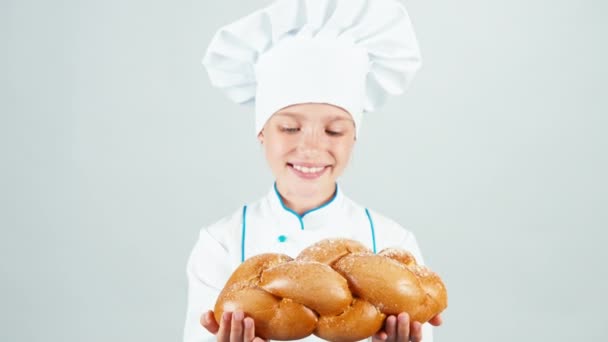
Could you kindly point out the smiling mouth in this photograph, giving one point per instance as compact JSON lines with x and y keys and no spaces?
{"x":309,"y":171}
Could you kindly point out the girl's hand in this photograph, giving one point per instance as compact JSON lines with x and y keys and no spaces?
{"x":400,"y":329}
{"x":234,"y":327}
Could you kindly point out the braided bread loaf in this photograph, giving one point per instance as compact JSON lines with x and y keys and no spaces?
{"x":336,"y":289}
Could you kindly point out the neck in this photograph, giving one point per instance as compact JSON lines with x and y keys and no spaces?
{"x":302,"y":203}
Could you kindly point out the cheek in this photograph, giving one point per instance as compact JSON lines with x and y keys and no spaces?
{"x":275,"y":152}
{"x":343,"y":151}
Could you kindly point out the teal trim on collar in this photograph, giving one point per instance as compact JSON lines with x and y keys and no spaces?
{"x":243,"y":228}
{"x":371,"y":225}
{"x":300,"y":217}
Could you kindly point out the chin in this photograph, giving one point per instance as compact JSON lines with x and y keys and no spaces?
{"x":311,"y":188}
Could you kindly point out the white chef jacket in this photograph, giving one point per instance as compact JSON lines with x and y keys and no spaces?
{"x":268,"y":226}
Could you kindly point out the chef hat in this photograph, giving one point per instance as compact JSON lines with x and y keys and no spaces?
{"x":348,"y":53}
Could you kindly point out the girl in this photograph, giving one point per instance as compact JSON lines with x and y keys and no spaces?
{"x":312,"y":67}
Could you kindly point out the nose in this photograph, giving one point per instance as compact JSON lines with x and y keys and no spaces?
{"x":311,"y":143}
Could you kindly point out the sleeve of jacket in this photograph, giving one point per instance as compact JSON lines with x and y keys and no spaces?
{"x":410,"y":244}
{"x":390,"y":234}
{"x":207,"y":271}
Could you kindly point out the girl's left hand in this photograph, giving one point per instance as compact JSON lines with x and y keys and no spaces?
{"x":400,"y":329}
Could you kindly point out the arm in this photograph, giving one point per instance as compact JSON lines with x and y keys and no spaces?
{"x":208,"y":269}
{"x":399,"y":328}
{"x":411,"y":244}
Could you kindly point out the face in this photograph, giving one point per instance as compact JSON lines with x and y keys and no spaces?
{"x":308,"y":147}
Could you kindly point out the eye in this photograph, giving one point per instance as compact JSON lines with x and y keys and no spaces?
{"x":333,"y":133}
{"x":290,"y":129}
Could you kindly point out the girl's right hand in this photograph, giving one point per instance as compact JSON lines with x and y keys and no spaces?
{"x":234,"y":327}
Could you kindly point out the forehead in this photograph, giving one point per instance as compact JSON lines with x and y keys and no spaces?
{"x":314,"y":111}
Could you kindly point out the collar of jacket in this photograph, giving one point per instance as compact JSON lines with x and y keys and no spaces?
{"x":312,"y":219}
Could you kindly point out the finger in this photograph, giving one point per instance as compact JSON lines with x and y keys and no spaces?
{"x":415,"y":332}
{"x":403,"y":327}
{"x":223,"y":334}
{"x":436,"y":321}
{"x":249,"y":329}
{"x":379,"y":337}
{"x":236,"y":327}
{"x":249,"y":332}
{"x":390,"y":327}
{"x":209,"y":323}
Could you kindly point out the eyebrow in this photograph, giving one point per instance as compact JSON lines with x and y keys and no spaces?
{"x":297,"y":115}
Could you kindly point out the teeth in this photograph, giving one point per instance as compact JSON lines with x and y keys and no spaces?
{"x":308,"y":169}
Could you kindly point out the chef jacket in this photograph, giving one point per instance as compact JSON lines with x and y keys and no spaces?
{"x":268,"y":226}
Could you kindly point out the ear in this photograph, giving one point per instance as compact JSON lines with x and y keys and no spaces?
{"x":261,"y":136}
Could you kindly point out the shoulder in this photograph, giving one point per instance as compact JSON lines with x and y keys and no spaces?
{"x":388,"y":232}
{"x":382,"y":223}
{"x":220,"y":242}
{"x":229,"y":228}
{"x":224,"y":225}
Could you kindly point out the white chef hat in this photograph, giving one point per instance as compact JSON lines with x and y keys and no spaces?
{"x":348,"y":53}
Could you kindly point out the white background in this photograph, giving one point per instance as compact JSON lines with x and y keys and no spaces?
{"x":116,"y":150}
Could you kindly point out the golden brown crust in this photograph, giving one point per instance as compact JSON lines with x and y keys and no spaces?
{"x":359,"y":321}
{"x":337,"y":289}
{"x":329,"y":251}
{"x":304,"y":281}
